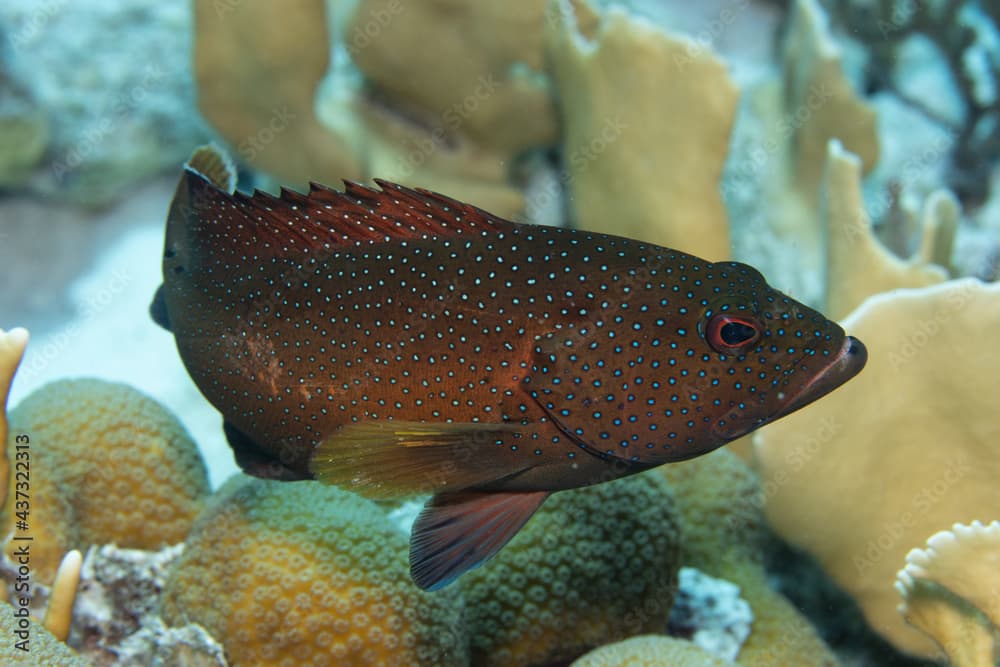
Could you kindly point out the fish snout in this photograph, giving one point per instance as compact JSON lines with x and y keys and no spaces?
{"x":848,"y":362}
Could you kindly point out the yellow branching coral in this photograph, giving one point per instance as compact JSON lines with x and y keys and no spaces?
{"x":307,"y":574}
{"x":593,"y":565}
{"x":908,"y":448}
{"x":651,"y":651}
{"x":623,"y":174}
{"x":951,"y":592}
{"x":12,"y":344}
{"x":110,"y":465}
{"x":720,"y":501}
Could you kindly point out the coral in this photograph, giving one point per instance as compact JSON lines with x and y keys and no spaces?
{"x":125,"y":468}
{"x":307,"y":574}
{"x":966,"y":36}
{"x":857,"y":264}
{"x":858,"y":482}
{"x":622,"y":158}
{"x":711,"y":613}
{"x":59,"y":611}
{"x":270,"y":95}
{"x":12,"y":344}
{"x":472,"y":41}
{"x":719,"y":498}
{"x":113,"y":120}
{"x":41,"y":649}
{"x":951,"y":592}
{"x":593,"y":565}
{"x":650,"y":651}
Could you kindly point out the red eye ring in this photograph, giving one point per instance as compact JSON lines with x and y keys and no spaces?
{"x":731,"y":333}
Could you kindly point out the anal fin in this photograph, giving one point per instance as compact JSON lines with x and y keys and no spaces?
{"x":456,"y":532}
{"x":389,"y":458}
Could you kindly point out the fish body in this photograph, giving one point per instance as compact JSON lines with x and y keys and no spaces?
{"x":399,"y":341}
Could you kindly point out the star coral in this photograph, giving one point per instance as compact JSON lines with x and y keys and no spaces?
{"x":110,"y":465}
{"x":720,"y":501}
{"x":593,"y":565}
{"x":302,"y":573}
{"x":650,"y":651}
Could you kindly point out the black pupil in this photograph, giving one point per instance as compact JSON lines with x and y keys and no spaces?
{"x":734,"y":333}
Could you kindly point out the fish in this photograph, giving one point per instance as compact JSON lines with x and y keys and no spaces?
{"x":398,"y":342}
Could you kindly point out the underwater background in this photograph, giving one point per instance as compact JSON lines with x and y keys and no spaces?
{"x":845,"y":148}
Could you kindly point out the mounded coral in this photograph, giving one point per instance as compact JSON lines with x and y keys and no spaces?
{"x":307,"y":574}
{"x":593,"y":565}
{"x":109,"y":465}
{"x":44,"y":650}
{"x":720,"y":500}
{"x":858,"y":482}
{"x":650,"y":651}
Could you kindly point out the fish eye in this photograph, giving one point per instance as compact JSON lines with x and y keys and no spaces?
{"x":730,"y":334}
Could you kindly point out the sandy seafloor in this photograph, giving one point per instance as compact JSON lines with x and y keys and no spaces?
{"x":83,"y":288}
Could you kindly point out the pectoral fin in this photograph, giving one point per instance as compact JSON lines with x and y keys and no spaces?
{"x":456,"y":532}
{"x":385,"y":459}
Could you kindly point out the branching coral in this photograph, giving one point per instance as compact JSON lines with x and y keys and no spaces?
{"x":593,"y":565}
{"x":304,"y":573}
{"x":12,"y":344}
{"x":966,"y":34}
{"x":859,"y":482}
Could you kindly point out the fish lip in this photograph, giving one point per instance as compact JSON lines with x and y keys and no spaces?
{"x":847,"y":363}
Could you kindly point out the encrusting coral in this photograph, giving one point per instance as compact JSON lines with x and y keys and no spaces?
{"x":43,"y":649}
{"x":593,"y":565}
{"x":622,"y":159}
{"x":650,"y":651}
{"x":859,"y":482}
{"x":308,"y":574}
{"x":951,"y":592}
{"x":110,"y":465}
{"x":720,"y":500}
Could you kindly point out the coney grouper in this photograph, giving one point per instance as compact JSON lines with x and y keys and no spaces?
{"x":396,"y":342}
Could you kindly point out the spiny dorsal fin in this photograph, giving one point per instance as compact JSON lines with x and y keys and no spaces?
{"x":214,"y":165}
{"x":322,"y":219}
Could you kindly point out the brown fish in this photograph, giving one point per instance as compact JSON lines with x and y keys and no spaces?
{"x":398,"y":342}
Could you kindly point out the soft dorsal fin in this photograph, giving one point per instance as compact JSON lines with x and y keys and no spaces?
{"x":324,"y":218}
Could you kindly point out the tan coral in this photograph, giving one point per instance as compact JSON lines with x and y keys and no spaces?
{"x":648,"y":168}
{"x":43,"y":649}
{"x":59,"y":611}
{"x":650,"y":651}
{"x":12,"y":345}
{"x":951,"y":592}
{"x":904,"y":450}
{"x":474,"y":43}
{"x":720,"y":499}
{"x":858,"y":265}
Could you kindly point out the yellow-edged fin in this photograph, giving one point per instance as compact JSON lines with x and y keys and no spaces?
{"x":387,"y":459}
{"x":213,"y":164}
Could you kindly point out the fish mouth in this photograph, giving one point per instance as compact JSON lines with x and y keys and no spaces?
{"x":847,"y":363}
